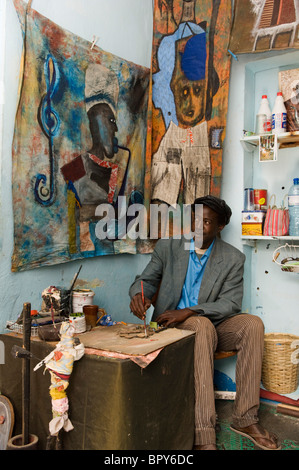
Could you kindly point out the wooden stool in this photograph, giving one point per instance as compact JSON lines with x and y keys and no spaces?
{"x":224,"y":354}
{"x":224,"y":395}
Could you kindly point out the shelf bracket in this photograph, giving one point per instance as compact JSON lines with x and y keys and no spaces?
{"x":251,"y":243}
{"x":248,"y":146}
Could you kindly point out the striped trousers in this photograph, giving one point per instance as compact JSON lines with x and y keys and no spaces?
{"x":244,"y":333}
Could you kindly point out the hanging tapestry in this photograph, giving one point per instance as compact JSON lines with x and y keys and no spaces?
{"x":289,"y":85}
{"x":262,"y":25}
{"x":79,"y":146}
{"x":190,"y":83}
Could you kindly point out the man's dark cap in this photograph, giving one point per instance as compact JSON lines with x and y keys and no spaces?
{"x":217,"y":205}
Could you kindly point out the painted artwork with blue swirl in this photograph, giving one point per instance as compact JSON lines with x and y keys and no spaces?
{"x":49,"y":121}
{"x":79,"y":141}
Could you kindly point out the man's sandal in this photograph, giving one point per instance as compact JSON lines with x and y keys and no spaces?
{"x":257,"y":432}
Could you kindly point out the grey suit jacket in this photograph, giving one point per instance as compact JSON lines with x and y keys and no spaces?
{"x":221,"y":291}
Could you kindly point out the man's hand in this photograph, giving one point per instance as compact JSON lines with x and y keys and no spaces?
{"x":137,"y":307}
{"x":174,"y":316}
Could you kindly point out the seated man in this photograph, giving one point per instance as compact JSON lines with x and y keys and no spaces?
{"x":202,"y":290}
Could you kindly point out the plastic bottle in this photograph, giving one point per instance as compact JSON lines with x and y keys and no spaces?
{"x":265,"y":109}
{"x":293,"y":203}
{"x":279,"y":115}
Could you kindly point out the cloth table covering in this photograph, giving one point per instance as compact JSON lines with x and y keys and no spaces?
{"x":113,"y":403}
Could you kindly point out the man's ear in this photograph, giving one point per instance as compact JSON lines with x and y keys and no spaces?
{"x":220,"y":228}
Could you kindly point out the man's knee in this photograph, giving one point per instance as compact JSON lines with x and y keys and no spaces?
{"x":256,"y":323}
{"x":200,"y":323}
{"x":253,"y":326}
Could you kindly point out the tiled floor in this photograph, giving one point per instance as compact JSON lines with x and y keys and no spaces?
{"x":285,"y":427}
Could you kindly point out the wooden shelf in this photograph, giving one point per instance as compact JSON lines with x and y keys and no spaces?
{"x":285,"y":140}
{"x":251,"y":240}
{"x":263,"y":237}
{"x":250,"y":144}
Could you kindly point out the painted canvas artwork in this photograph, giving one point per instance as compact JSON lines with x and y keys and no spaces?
{"x":289,"y":86}
{"x":187,"y":113}
{"x":262,"y":25}
{"x":79,"y":144}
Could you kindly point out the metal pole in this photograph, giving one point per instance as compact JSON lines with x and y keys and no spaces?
{"x":26,"y":373}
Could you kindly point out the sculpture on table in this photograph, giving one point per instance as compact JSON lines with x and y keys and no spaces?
{"x":60,"y":363}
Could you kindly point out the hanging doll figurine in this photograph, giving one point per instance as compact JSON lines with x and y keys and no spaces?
{"x":60,"y":365}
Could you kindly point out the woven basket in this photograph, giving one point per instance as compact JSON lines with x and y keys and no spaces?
{"x":280,"y":372}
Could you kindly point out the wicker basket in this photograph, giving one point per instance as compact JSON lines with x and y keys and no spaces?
{"x":280,"y":371}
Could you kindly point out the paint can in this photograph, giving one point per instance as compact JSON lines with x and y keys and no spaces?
{"x":78,"y":321}
{"x":260,"y":199}
{"x":82,"y":297}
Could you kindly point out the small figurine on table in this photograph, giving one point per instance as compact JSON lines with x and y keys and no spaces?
{"x":60,"y":365}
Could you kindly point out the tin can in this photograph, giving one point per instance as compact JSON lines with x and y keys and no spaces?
{"x":261,"y":124}
{"x":260,"y":199}
{"x":248,"y":199}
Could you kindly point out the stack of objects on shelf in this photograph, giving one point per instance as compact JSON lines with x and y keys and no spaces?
{"x":254,"y":213}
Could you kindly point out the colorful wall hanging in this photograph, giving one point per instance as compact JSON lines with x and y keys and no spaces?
{"x":289,"y":85}
{"x":79,"y":142}
{"x":190,"y":83}
{"x":262,"y":25}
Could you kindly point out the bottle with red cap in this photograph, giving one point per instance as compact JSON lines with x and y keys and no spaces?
{"x":279,"y":115}
{"x":264,"y":117}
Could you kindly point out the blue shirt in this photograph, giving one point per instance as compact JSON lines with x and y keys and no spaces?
{"x":195,"y":271}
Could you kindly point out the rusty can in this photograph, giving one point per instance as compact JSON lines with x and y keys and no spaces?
{"x":260,"y":199}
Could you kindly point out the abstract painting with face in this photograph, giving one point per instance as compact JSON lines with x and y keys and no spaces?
{"x":81,"y":141}
{"x":190,"y":89}
{"x":96,"y":183}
